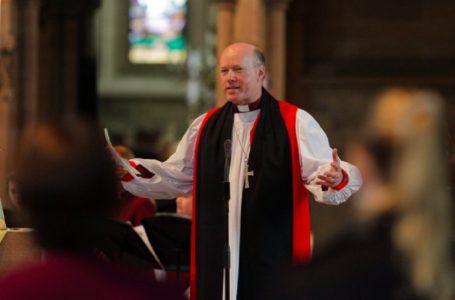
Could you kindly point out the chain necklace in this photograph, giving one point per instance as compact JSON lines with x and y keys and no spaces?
{"x":246,"y":173}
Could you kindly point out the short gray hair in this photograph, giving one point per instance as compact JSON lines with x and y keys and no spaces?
{"x":259,"y":57}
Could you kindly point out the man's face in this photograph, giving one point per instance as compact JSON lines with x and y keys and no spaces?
{"x":13,"y":193}
{"x":240,"y":76}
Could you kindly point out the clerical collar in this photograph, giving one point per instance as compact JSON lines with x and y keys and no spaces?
{"x":249,"y":107}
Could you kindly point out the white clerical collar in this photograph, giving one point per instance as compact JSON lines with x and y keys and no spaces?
{"x":243,"y":108}
{"x":249,"y":107}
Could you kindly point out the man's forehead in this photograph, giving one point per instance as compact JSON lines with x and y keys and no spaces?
{"x":230,"y":64}
{"x":235,"y":58}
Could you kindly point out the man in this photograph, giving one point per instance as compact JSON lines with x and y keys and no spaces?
{"x":278,"y":154}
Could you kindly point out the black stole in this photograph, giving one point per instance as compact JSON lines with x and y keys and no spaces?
{"x":266,"y":220}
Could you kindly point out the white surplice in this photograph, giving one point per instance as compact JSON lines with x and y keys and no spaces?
{"x":174,"y":177}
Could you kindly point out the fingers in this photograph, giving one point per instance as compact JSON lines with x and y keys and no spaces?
{"x":327,"y":179}
{"x":335,"y":155}
{"x":335,"y":165}
{"x":334,"y":176}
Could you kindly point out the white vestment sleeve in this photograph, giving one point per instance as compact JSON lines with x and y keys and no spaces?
{"x":172,"y":178}
{"x":315,"y":158}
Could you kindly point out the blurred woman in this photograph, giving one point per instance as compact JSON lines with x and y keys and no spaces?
{"x":400,"y":249}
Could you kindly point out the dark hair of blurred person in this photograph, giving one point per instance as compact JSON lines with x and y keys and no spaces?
{"x":68,"y":187}
{"x":67,"y":182}
{"x":400,"y":249}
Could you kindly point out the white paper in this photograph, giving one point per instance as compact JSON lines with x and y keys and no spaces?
{"x":120,"y":161}
{"x":140,"y":230}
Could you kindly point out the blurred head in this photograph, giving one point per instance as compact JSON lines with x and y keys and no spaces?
{"x":12,"y":189}
{"x":184,"y":205}
{"x":242,"y":71}
{"x":402,"y":142}
{"x":405,"y":172}
{"x":67,"y":182}
{"x":124,"y":151}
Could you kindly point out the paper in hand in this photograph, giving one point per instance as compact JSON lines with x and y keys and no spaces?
{"x":120,"y":161}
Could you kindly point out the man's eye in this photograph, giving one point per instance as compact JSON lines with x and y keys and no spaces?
{"x":237,"y":70}
{"x":224,"y":71}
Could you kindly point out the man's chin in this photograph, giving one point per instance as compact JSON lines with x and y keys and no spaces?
{"x":232,"y":98}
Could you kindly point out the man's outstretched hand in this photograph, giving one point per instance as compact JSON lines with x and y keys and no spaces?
{"x":334,"y":176}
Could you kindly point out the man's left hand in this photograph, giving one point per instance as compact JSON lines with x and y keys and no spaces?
{"x":334,"y":176}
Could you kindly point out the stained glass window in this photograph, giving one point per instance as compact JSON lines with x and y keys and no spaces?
{"x":156,"y":31}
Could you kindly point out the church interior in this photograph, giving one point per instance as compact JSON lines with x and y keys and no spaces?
{"x":97,"y":59}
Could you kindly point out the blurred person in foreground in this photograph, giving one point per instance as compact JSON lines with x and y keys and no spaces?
{"x":68,"y":187}
{"x":400,"y":247}
{"x":184,"y":205}
{"x":11,"y":206}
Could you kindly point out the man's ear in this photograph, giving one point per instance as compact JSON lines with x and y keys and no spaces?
{"x":261,"y":72}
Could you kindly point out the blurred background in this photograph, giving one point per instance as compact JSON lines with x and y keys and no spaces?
{"x":145,"y":68}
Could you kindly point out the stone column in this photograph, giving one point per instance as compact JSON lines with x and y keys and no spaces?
{"x":295,"y":55}
{"x":249,"y":22}
{"x":225,"y":36}
{"x":7,"y":44}
{"x":28,"y":62}
{"x":6,"y":47}
{"x":65,"y":55}
{"x":276,"y":45}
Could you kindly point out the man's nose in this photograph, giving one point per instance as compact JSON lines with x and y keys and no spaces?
{"x":231,"y":75}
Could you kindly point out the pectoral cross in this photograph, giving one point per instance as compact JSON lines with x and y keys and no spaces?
{"x":247,"y":173}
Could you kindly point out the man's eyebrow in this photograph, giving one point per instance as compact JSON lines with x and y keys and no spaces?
{"x":231,"y":67}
